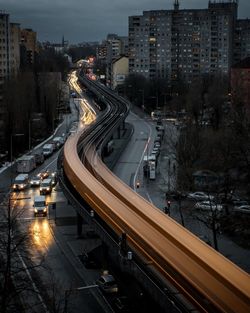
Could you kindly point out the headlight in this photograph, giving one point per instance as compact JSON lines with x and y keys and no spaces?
{"x":41,"y":189}
{"x":44,"y":210}
{"x":48,"y":189}
{"x":21,"y":186}
{"x":36,"y":210}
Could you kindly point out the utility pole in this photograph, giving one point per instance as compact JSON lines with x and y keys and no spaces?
{"x":169,"y":164}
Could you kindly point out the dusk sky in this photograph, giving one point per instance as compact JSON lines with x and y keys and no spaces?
{"x":81,"y":20}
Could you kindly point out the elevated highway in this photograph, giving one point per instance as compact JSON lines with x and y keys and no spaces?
{"x":204,"y":277}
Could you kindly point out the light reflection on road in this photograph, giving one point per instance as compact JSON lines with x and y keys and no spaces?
{"x":41,"y":234}
{"x":88,"y":114}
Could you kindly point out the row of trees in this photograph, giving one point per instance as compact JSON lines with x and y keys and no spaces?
{"x":215,"y":131}
{"x":32,"y":99}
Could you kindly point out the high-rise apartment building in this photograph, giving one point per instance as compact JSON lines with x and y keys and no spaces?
{"x":28,"y":46}
{"x":4,"y":68}
{"x":9,"y":65}
{"x":15,"y":36}
{"x":242,"y":40}
{"x":184,"y":44}
{"x":4,"y":46}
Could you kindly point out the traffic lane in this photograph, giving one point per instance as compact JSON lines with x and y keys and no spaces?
{"x":55,"y":269}
{"x":129,"y":162}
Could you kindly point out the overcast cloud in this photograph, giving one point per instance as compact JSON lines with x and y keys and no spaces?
{"x":82,"y":20}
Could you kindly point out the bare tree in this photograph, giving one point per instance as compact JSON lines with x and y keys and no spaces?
{"x":14,"y":258}
{"x":211,"y":220}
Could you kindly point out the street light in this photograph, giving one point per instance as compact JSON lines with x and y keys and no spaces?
{"x":30,"y":121}
{"x":11,"y":154}
{"x":68,"y":292}
{"x":143,"y":94}
{"x":147,"y":155}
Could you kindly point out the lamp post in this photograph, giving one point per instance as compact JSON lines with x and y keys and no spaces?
{"x":143,"y":97}
{"x":30,"y":121}
{"x":147,"y":154}
{"x":11,"y":153}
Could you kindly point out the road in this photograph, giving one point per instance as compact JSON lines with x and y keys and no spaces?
{"x":129,"y":169}
{"x":57,"y":278}
{"x":45,"y":243}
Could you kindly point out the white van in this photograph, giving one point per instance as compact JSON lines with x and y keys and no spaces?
{"x":21,"y":182}
{"x":46,"y":186}
{"x":40,"y":206}
{"x":48,"y":149}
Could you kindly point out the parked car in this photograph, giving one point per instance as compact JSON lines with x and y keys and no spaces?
{"x":121,"y":304}
{"x":107,"y":284}
{"x":208,"y":205}
{"x":241,"y":206}
{"x":88,"y":261}
{"x":228,"y":197}
{"x":199,"y":196}
{"x":35,"y":181}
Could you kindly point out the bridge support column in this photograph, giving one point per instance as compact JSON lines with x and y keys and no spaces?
{"x":79,"y":222}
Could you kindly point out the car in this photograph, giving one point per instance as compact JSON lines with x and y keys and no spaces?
{"x":241,"y":206}
{"x":35,"y":181}
{"x":121,"y":304}
{"x":107,"y":284}
{"x":46,"y":186}
{"x":199,"y":196}
{"x":20,"y":182}
{"x":208,"y":205}
{"x":44,"y":174}
{"x":88,"y":260}
{"x":53,"y":177}
{"x":229,"y":197}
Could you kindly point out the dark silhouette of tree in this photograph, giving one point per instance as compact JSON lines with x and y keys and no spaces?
{"x":14,"y":282}
{"x":78,"y":53}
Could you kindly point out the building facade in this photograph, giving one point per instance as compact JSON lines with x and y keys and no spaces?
{"x":240,"y":86}
{"x":9,"y":66}
{"x":242,"y":40}
{"x":119,"y":72}
{"x":111,"y":49}
{"x":183,"y":44}
{"x":15,"y":38}
{"x":4,"y":71}
{"x":28,"y":46}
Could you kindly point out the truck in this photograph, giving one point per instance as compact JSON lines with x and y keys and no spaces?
{"x":48,"y":149}
{"x":152,"y":170}
{"x":26,"y":164}
{"x":39,"y":157}
{"x":146,"y":164}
